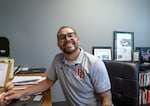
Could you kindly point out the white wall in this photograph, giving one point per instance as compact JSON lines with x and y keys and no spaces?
{"x":31,"y":26}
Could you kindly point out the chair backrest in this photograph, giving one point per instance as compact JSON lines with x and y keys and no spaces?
{"x":124,"y":82}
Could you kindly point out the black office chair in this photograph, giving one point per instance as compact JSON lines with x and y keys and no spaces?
{"x":124,"y":81}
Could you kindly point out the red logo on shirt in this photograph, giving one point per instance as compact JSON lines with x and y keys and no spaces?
{"x":80,"y":73}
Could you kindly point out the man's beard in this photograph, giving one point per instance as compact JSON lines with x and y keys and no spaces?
{"x":70,"y":52}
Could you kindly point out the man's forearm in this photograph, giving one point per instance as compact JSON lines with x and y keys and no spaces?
{"x":42,"y":86}
{"x":106,"y":98}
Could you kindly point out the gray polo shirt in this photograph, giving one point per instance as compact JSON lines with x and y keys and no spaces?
{"x":80,"y":79}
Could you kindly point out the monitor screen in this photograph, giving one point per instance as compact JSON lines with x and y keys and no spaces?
{"x":144,"y":53}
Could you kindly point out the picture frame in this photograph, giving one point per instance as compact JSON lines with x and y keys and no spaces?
{"x":4,"y":72}
{"x":136,"y":56}
{"x":144,"y":54}
{"x":123,"y":44}
{"x":103,"y":52}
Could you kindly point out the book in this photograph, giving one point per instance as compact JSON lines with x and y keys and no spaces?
{"x":148,"y":96}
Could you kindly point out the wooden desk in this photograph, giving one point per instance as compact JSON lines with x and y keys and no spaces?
{"x":47,"y":100}
{"x":47,"y":94}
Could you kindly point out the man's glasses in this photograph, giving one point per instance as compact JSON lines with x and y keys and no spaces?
{"x":70,"y":35}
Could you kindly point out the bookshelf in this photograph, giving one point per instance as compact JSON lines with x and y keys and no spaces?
{"x":144,"y":83}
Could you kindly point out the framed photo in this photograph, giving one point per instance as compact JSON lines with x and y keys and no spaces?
{"x":123,"y":45}
{"x":4,"y":72}
{"x":144,"y":54}
{"x":136,"y":56}
{"x":104,"y":53}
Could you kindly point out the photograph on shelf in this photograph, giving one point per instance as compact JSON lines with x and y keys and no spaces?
{"x":123,"y":44}
{"x":104,"y":53}
{"x":136,"y":56}
{"x":144,"y":53}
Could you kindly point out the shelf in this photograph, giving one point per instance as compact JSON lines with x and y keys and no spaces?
{"x":144,"y":67}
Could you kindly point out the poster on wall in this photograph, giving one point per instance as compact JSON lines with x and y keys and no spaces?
{"x":123,"y":45}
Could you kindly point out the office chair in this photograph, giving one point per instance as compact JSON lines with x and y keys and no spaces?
{"x":124,"y":82}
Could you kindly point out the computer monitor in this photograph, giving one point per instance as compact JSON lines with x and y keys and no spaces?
{"x":144,"y":53}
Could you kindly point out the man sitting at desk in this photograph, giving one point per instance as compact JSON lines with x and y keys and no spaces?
{"x":83,"y":77}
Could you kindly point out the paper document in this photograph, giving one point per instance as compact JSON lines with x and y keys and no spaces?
{"x":24,"y":80}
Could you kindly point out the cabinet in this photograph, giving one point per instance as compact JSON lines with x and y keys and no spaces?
{"x":144,"y":83}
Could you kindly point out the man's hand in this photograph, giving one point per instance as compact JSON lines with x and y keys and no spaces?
{"x":7,"y":97}
{"x":3,"y":102}
{"x":1,"y":99}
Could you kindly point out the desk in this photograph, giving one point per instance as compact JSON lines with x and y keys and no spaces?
{"x":47,"y":101}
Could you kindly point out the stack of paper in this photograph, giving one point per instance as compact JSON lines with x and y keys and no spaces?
{"x":22,"y":82}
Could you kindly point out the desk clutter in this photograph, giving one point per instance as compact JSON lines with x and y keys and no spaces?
{"x":22,"y":82}
{"x":27,"y":70}
{"x":9,"y":72}
{"x":32,"y":100}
